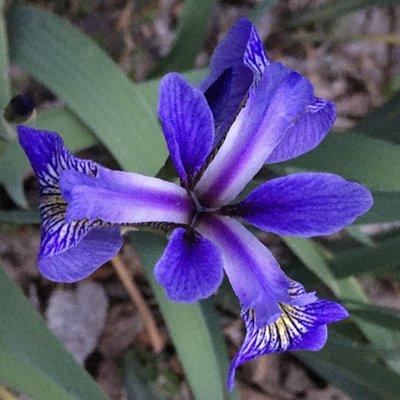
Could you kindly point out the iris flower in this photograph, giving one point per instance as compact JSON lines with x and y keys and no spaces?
{"x":248,"y":112}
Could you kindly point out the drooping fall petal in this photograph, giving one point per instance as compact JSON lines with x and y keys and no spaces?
{"x":69,"y":251}
{"x":190,"y":268}
{"x":305,"y":204}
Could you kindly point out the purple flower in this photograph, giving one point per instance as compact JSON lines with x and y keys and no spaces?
{"x":249,"y":111}
{"x":72,"y":248}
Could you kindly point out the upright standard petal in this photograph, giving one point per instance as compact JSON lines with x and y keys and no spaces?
{"x":253,"y":272}
{"x":188,"y":125}
{"x":217,"y":96}
{"x":190,"y":268}
{"x":299,"y":327}
{"x":305,"y":204}
{"x":272,"y":108}
{"x":308,"y":131}
{"x":230,"y":53}
{"x":119,"y":197}
{"x":312,"y":123}
{"x":69,"y":251}
{"x":254,"y":56}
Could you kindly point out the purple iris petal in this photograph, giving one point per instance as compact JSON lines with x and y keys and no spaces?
{"x":230,"y":54}
{"x":312,"y":123}
{"x":254,"y":56}
{"x":69,"y":251}
{"x":187,"y":123}
{"x":309,"y":129}
{"x":297,"y":328}
{"x":253,"y":272}
{"x":124,"y":197}
{"x":217,"y":96}
{"x":305,"y":204}
{"x":270,"y":111}
{"x":190,"y":268}
{"x":79,"y":261}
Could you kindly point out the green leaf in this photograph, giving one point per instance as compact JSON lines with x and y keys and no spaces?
{"x":190,"y":35}
{"x":338,"y":376}
{"x":366,"y":350}
{"x":14,"y":166}
{"x":32,"y":360}
{"x":355,"y":157}
{"x":338,"y":8}
{"x":372,"y":260}
{"x":193,"y":327}
{"x":313,"y":258}
{"x":380,"y":316}
{"x":24,"y":217}
{"x":74,"y":68}
{"x":385,"y":209}
{"x":351,"y":367}
{"x":138,"y":384}
{"x":347,"y":288}
{"x":5,"y":90}
{"x":383,"y":123}
{"x":357,"y":234}
{"x":6,"y":132}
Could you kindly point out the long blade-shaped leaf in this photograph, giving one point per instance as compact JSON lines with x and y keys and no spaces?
{"x":193,"y":328}
{"x":4,"y":82}
{"x":385,"y":209}
{"x":6,"y":132}
{"x":348,"y":288}
{"x":138,"y":385}
{"x":381,"y":316}
{"x":73,"y":67}
{"x":20,"y":217}
{"x":383,"y":123}
{"x":356,"y":157}
{"x":32,"y":360}
{"x":351,"y":367}
{"x":370,"y":260}
{"x":190,"y":35}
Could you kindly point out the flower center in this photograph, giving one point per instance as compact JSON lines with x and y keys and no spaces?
{"x":198,"y":208}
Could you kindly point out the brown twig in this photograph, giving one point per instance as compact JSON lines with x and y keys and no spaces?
{"x":156,"y":339}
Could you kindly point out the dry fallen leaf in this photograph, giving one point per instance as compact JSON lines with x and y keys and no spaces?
{"x":77,"y":317}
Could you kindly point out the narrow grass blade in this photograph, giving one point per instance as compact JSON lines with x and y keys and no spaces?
{"x":383,"y":257}
{"x":313,"y":258}
{"x":190,"y":35}
{"x":6,"y":132}
{"x":74,"y":68}
{"x":385,"y":209}
{"x":355,"y":157}
{"x":193,"y":327}
{"x":20,"y":217}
